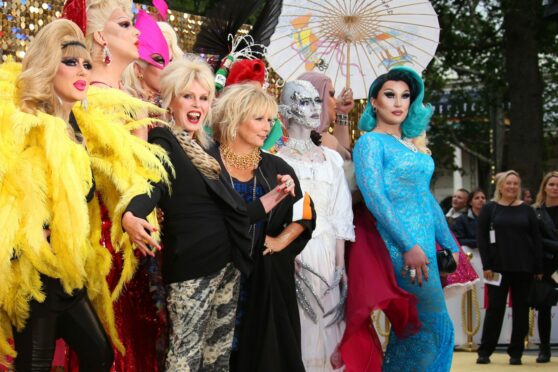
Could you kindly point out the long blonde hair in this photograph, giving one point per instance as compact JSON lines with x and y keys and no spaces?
{"x":35,"y":84}
{"x":175,"y":80}
{"x":541,"y":195}
{"x":237,"y":104}
{"x":500,"y":183}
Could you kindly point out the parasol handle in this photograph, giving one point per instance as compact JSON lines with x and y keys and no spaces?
{"x":348,"y":76}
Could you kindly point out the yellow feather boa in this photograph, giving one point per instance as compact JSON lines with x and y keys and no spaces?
{"x":44,"y":178}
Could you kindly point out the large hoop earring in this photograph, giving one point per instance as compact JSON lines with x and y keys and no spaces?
{"x":106,"y":55}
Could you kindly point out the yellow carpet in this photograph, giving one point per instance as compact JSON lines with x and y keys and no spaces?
{"x":466,"y":362}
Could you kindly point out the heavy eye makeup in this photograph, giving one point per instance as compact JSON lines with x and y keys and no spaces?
{"x":73,"y":62}
{"x":157,"y":58}
{"x":125,"y":24}
{"x":389,"y":94}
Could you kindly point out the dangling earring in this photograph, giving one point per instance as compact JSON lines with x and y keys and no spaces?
{"x":106,"y":55}
{"x":171,"y":121}
{"x":84,"y":104}
{"x":140,"y":76}
{"x":374,"y":108}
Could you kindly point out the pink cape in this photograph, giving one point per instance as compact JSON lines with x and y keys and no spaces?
{"x":372,"y":286}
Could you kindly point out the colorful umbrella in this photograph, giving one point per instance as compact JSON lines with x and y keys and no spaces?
{"x":353,"y":41}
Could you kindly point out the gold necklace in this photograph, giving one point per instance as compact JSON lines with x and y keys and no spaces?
{"x":242,"y":162}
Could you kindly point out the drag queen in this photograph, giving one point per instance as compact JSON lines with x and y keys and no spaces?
{"x":394,"y":175}
{"x":113,"y":43}
{"x":54,"y":176}
{"x":321,"y":279}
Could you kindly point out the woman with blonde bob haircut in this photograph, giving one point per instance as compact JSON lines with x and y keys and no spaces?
{"x":267,"y":337}
{"x":205,"y":233}
{"x":509,"y":242}
{"x":546,"y":209}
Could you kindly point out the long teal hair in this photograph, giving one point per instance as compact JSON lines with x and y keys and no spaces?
{"x":419,"y":114}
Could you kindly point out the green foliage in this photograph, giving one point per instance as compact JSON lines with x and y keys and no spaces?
{"x":470,"y":63}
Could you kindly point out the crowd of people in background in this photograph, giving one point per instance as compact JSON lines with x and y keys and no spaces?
{"x":517,"y":244}
{"x":153,"y":223}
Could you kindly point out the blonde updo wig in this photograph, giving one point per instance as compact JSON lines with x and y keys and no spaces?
{"x":177,"y":77}
{"x":44,"y":54}
{"x":99,"y":12}
{"x":237,"y":104}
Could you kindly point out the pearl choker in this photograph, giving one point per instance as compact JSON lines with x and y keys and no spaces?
{"x":300,"y":146}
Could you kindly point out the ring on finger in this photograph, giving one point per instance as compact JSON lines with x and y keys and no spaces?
{"x":406,"y":268}
{"x":412,"y":272}
{"x":289,"y":183}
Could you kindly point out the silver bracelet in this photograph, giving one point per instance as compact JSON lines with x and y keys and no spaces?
{"x":342,"y":119}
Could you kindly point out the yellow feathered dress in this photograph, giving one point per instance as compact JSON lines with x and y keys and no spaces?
{"x":44,"y":178}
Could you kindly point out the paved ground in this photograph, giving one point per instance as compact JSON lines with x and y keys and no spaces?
{"x":466,"y":362}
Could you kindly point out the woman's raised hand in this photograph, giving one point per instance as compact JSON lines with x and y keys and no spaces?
{"x":138,"y":229}
{"x":285,"y":186}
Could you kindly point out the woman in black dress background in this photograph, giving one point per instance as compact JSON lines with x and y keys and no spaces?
{"x":509,"y":243}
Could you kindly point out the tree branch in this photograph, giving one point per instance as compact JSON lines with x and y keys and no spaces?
{"x":456,"y":142}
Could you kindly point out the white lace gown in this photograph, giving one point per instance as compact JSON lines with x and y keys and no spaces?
{"x":326,"y":184}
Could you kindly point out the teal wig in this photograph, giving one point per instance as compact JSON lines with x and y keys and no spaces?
{"x":419,"y":114}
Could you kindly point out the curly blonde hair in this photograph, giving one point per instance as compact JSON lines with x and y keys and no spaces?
{"x":237,"y":104}
{"x":177,"y":77}
{"x":35,"y":84}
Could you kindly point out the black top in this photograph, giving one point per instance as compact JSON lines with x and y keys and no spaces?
{"x":206,"y":224}
{"x":548,"y":225}
{"x":553,"y":213}
{"x":465,"y":229}
{"x":518,"y":246}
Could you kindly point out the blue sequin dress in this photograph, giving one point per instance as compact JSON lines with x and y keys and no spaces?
{"x":394,"y":182}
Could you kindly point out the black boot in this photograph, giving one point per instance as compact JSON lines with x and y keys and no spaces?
{"x":544,"y":353}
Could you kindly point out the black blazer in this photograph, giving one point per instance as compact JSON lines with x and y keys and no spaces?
{"x":206,"y":223}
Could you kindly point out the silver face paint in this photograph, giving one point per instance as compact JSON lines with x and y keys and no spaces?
{"x":303,"y":104}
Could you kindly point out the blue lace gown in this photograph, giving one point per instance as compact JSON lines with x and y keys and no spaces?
{"x":394,"y":182}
